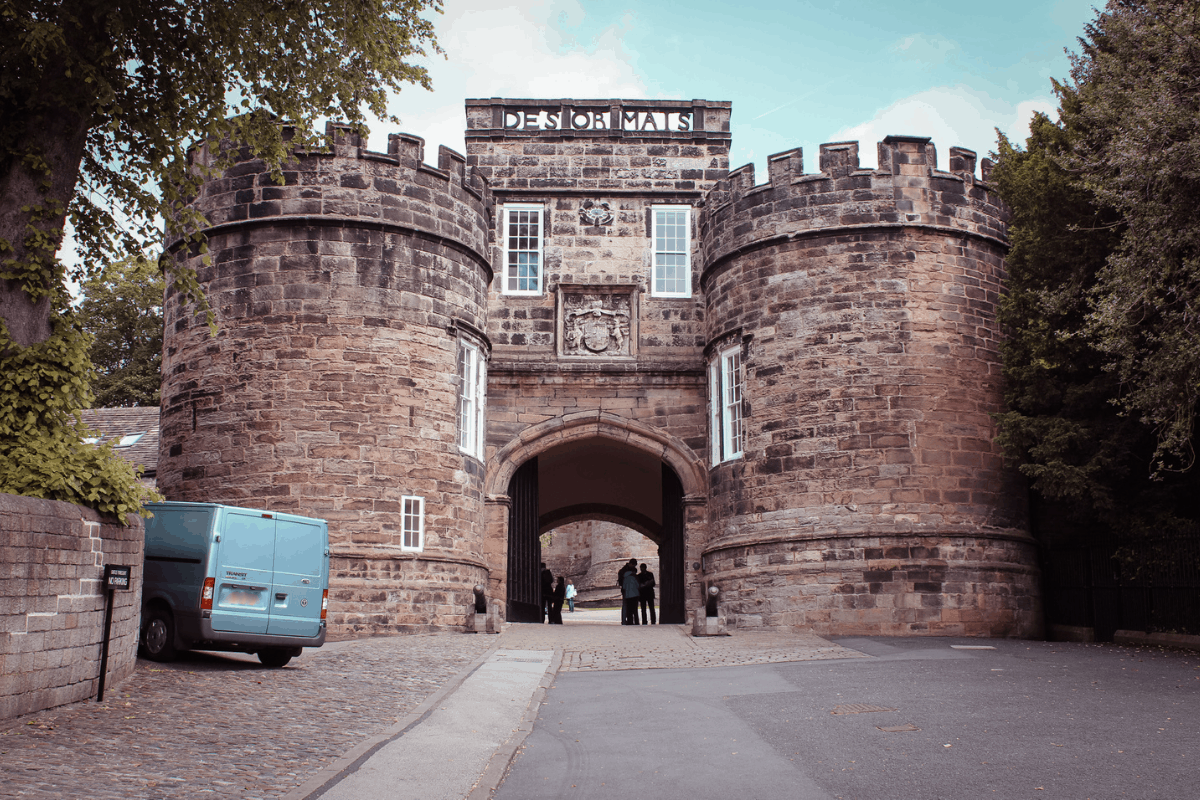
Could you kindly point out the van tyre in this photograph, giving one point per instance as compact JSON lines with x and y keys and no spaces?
{"x":158,"y":637}
{"x":274,"y":658}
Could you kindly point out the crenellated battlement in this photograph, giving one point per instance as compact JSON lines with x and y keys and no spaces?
{"x":906,"y":189}
{"x":807,"y":402}
{"x":345,"y":183}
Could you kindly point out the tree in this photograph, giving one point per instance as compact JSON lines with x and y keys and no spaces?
{"x":98,"y":102}
{"x":122,"y":312}
{"x":1134,"y":102}
{"x":1075,"y":424}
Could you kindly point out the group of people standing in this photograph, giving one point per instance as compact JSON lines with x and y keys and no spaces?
{"x":637,"y":589}
{"x":554,"y":594}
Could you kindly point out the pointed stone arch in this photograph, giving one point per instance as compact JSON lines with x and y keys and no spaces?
{"x":682,"y":534}
{"x":546,"y":435}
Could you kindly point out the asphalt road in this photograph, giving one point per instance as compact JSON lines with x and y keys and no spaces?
{"x":1026,"y":719}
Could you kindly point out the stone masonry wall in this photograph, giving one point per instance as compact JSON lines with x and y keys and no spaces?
{"x":597,"y":168}
{"x":864,"y":301}
{"x":519,"y":398}
{"x":569,"y":170}
{"x":330,"y":388}
{"x":52,"y":605}
{"x":883,"y":585}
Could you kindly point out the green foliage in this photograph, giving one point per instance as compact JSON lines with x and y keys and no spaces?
{"x":42,"y":453}
{"x":150,"y":78}
{"x":1061,"y":425}
{"x":122,"y":312}
{"x":1135,"y":105}
{"x":98,"y":104}
{"x":1094,"y":467}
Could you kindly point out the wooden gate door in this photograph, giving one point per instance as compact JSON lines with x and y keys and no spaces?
{"x":671,"y":610}
{"x":524,"y":546}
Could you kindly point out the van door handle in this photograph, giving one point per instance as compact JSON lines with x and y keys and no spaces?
{"x":244,"y":586}
{"x":281,"y":595}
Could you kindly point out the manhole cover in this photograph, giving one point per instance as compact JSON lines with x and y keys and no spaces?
{"x":908,"y":726}
{"x":858,"y":708}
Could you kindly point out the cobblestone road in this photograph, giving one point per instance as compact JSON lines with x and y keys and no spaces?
{"x":223,"y":726}
{"x":208,"y":726}
{"x":615,"y":647}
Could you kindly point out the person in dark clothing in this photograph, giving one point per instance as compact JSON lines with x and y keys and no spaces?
{"x":630,"y":591}
{"x":556,"y":602}
{"x":627,"y":617}
{"x":646,"y":595}
{"x":547,"y":590}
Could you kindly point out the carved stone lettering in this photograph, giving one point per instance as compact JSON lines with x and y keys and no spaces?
{"x":590,"y":119}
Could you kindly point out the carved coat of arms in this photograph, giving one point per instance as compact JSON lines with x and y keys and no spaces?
{"x":596,"y":324}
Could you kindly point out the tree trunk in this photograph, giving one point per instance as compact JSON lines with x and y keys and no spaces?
{"x":58,"y":133}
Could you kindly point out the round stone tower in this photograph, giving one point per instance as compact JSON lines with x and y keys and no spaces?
{"x":347,"y":300}
{"x":869,"y":496}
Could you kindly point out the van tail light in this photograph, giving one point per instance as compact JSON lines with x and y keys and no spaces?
{"x":206,"y":593}
{"x":324,"y":603}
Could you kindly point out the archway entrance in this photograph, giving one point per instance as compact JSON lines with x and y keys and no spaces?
{"x":594,"y":478}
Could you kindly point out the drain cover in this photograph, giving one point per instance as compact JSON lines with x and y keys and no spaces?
{"x":908,"y":726}
{"x":858,"y":708}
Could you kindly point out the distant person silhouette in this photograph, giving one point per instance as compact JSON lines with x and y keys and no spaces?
{"x":547,"y":590}
{"x":646,"y":595}
{"x":630,"y":592}
{"x":556,"y":602}
{"x":571,"y":596}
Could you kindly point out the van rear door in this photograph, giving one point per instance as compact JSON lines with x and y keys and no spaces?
{"x":299,"y":577}
{"x":245,"y":560}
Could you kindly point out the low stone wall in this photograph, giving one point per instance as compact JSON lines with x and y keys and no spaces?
{"x":52,"y":558}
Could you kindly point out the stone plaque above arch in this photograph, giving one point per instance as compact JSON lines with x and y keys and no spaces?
{"x":597,"y":321}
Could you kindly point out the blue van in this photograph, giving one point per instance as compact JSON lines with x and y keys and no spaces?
{"x":219,"y":577}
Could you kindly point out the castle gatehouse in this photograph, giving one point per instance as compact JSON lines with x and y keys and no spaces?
{"x":785,"y":387}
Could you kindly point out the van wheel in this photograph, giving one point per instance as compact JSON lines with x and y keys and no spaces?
{"x":158,"y":637}
{"x":274,"y":658}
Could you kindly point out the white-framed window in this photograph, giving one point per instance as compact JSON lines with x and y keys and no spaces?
{"x":523,"y":234}
{"x":412,"y":522}
{"x":671,"y":234}
{"x":726,"y":385}
{"x":472,"y":396}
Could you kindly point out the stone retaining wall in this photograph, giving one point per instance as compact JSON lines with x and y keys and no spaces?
{"x":52,"y":606}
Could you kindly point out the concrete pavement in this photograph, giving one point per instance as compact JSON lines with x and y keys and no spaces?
{"x":443,"y":756}
{"x":617,"y":711}
{"x":463,"y":745}
{"x":919,"y":718}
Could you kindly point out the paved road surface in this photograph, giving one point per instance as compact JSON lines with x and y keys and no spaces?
{"x":633,"y":712}
{"x":1027,"y":719}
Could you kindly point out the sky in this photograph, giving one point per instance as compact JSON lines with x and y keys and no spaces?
{"x":798,"y":73}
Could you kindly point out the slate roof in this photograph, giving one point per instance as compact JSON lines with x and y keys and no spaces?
{"x":114,"y":423}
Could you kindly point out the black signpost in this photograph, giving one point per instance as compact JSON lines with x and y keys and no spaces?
{"x":116,"y":578}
